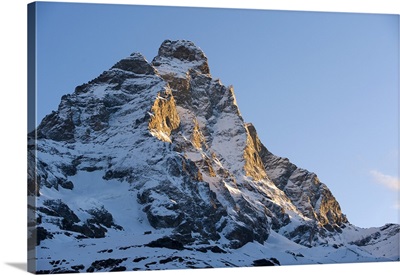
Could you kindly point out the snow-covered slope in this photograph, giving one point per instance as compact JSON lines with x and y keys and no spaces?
{"x":151,"y":166}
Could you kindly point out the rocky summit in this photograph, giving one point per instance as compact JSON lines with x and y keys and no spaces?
{"x":151,"y":166}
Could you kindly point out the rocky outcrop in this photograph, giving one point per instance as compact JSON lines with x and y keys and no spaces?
{"x":254,"y":166}
{"x":94,"y":227}
{"x":312,"y":198}
{"x":163,"y":117}
{"x":185,"y":54}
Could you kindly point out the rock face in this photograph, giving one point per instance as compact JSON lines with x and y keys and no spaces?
{"x":152,"y":156}
{"x":311,"y":197}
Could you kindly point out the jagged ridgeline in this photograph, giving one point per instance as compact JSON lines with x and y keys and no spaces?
{"x":151,"y":166}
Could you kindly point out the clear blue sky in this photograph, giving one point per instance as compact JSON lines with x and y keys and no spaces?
{"x":321,"y":88}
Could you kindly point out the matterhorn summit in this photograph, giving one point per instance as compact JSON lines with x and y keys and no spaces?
{"x":151,"y":166}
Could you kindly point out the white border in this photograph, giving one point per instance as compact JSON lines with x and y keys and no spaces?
{"x":13,"y":60}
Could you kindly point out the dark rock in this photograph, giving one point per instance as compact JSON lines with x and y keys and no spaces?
{"x":149,"y":264}
{"x":239,"y":236}
{"x":117,"y":174}
{"x":91,"y":169}
{"x":119,"y":268}
{"x":105,"y":251}
{"x":78,"y":267}
{"x":42,"y":234}
{"x":163,"y":221}
{"x":69,"y":169}
{"x":104,"y":77}
{"x":81,"y":89}
{"x":127,"y":247}
{"x":99,"y":119}
{"x":171,"y":259}
{"x":166,"y":242}
{"x":89,"y":230}
{"x":57,"y":208}
{"x":217,"y":249}
{"x":306,"y":234}
{"x":367,"y":240}
{"x":101,"y":216}
{"x":94,"y":227}
{"x":274,"y":260}
{"x":329,"y":227}
{"x":202,"y":249}
{"x":66,"y":184}
{"x":108,"y":264}
{"x":136,"y":260}
{"x":174,"y":167}
{"x":295,"y":254}
{"x":183,"y":238}
{"x":266,"y":262}
{"x":136,"y":63}
{"x":57,"y":127}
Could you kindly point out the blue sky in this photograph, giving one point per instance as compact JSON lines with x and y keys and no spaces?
{"x":321,"y":88}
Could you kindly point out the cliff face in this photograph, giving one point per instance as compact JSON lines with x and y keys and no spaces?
{"x":155,"y":159}
{"x":307,"y":193}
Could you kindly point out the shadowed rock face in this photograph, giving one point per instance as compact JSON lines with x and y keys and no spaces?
{"x":304,"y":189}
{"x":136,"y":63}
{"x":167,"y":143}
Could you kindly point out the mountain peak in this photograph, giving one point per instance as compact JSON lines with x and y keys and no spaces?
{"x":156,"y":159}
{"x":181,"y":52}
{"x":181,"y":49}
